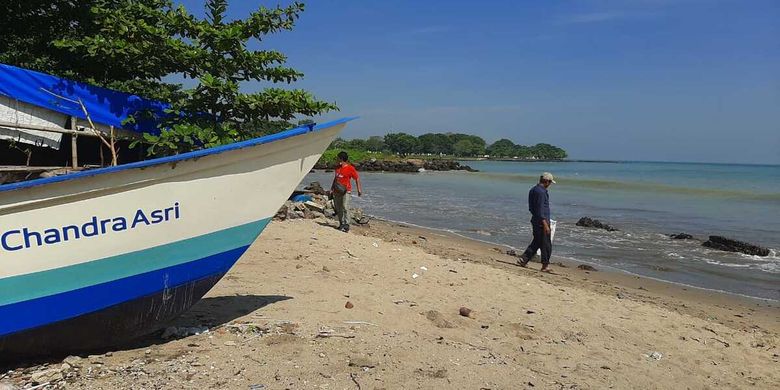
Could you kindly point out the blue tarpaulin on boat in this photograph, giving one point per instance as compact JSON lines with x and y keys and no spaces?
{"x":105,"y":106}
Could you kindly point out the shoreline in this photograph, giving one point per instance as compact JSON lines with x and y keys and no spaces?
{"x":575,"y":261}
{"x":671,"y":293}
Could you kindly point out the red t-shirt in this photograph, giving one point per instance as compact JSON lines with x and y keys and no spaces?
{"x":343,"y":175}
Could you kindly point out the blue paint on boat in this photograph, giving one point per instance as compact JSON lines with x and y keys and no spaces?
{"x":40,"y":284}
{"x":123,"y":278}
{"x":41,"y":311}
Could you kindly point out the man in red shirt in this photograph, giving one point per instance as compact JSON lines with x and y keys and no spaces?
{"x":341,"y":188}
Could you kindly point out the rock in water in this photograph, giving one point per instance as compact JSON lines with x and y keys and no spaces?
{"x":681,"y":236}
{"x":730,"y":245}
{"x":595,"y":223}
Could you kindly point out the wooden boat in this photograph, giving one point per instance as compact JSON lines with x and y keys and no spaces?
{"x":95,"y":258}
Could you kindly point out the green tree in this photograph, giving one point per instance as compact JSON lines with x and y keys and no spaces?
{"x":435,"y":143}
{"x":401,"y":143}
{"x":547,"y":152}
{"x":501,"y":148}
{"x":522,"y":151}
{"x":28,"y":29}
{"x":477,"y":143}
{"x":375,"y":144}
{"x":357,"y":144}
{"x":134,"y":45}
{"x":338,"y":143}
{"x":463,"y":148}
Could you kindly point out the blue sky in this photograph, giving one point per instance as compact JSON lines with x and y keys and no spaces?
{"x":662,"y":80}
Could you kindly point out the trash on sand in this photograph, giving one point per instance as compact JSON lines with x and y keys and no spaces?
{"x":655,"y":355}
{"x":183,"y":331}
{"x":415,"y":276}
{"x":424,"y":268}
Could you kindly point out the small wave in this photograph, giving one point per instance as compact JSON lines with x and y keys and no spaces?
{"x":482,"y":232}
{"x":771,"y":258}
{"x":723,"y":264}
{"x":675,"y":255}
{"x":770,"y":267}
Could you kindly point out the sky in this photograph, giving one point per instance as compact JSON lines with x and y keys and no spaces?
{"x":655,"y":80}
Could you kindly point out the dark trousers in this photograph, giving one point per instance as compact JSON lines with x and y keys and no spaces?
{"x":541,"y":241}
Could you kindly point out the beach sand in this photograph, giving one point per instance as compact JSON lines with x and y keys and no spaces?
{"x":280,"y":320}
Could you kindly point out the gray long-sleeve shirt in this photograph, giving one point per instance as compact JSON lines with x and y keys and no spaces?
{"x":539,"y":203}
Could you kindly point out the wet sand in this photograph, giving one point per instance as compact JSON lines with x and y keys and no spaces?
{"x":378,"y":308}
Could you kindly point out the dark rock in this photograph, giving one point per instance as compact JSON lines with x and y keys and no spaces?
{"x":730,"y":245}
{"x":315,"y":188}
{"x":405,"y":166}
{"x":681,"y":236}
{"x":283,"y":212}
{"x":586,"y":267}
{"x":595,"y":223}
{"x":466,"y":312}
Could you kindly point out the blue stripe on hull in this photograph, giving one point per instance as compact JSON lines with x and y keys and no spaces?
{"x":58,"y":280}
{"x":29,"y":314}
{"x":113,"y":327}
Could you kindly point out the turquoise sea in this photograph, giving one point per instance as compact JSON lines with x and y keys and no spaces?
{"x":646,"y":201}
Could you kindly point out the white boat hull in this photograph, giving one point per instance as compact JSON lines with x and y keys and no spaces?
{"x":134,"y":246}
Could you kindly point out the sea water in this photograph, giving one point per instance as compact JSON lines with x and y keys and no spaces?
{"x":645,"y":201}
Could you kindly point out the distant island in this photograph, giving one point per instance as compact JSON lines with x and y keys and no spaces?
{"x":440,"y":145}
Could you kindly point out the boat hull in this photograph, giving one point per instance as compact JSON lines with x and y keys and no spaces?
{"x":98,"y":259}
{"x":108,"y":328}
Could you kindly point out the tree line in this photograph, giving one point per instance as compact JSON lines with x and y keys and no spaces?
{"x":451,"y":144}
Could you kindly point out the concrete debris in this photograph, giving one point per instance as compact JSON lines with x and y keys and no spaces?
{"x":177,"y":332}
{"x":655,"y":355}
{"x":50,"y":375}
{"x":7,"y":386}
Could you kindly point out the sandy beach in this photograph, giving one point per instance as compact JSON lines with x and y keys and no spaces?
{"x":310,"y":307}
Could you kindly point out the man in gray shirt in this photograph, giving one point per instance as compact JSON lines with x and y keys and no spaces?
{"x":539,"y":206}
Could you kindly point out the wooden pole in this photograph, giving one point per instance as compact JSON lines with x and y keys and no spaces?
{"x":50,"y":129}
{"x":74,"y":143}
